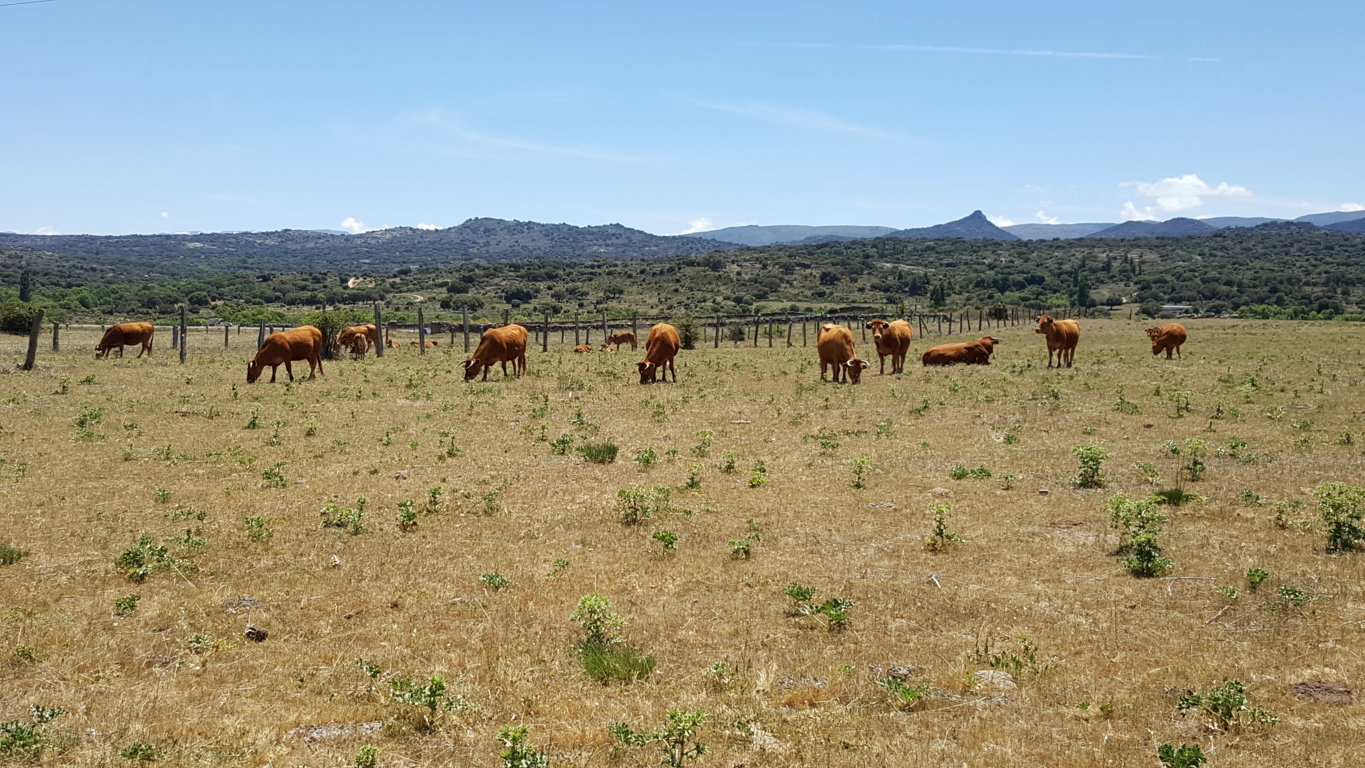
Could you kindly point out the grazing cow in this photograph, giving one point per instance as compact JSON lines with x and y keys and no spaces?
{"x":498,"y":345}
{"x":1062,"y":336}
{"x":367,"y":334}
{"x":661,"y":346}
{"x":892,"y":339}
{"x":302,"y":343}
{"x":582,"y":349}
{"x":120,"y":335}
{"x":835,"y":345}
{"x":966,"y":353}
{"x":617,"y":339}
{"x":1168,"y":337}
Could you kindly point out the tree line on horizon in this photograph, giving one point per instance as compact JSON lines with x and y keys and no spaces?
{"x":1300,"y":275}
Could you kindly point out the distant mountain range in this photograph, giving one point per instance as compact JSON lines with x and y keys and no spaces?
{"x":978,"y":227}
{"x":293,"y":250}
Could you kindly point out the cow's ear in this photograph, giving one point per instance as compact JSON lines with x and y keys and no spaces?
{"x":869,"y":325}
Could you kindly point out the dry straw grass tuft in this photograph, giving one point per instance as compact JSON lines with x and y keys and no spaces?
{"x":462,"y":483}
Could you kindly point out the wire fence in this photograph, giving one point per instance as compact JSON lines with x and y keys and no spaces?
{"x":547,"y":331}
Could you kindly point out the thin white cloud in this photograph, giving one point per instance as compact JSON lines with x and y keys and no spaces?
{"x":165,"y":214}
{"x":1010,"y":51}
{"x":353,"y":225}
{"x":516,"y":144}
{"x":1181,"y":193}
{"x":427,"y":226}
{"x":701,"y":224}
{"x":1043,"y":218}
{"x":801,"y":118}
{"x":1350,"y":207}
{"x":1000,"y":221}
{"x":46,"y":231}
{"x":1131,"y":213}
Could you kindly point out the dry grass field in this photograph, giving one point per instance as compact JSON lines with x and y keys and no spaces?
{"x":478,"y":584}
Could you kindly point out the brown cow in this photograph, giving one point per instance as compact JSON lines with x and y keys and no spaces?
{"x":367,"y":334}
{"x":966,"y":353}
{"x":835,"y":345}
{"x":582,"y":349}
{"x":391,"y":344}
{"x":617,"y":339}
{"x":302,"y":343}
{"x":661,"y":346}
{"x":1168,"y":337}
{"x":1062,"y":336}
{"x":358,"y":346}
{"x":498,"y":345}
{"x":123,"y":334}
{"x":892,"y":339}
{"x":429,"y":344}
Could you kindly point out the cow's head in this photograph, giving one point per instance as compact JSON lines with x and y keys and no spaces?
{"x":100,"y":352}
{"x":1044,"y":324}
{"x":1152,"y":332}
{"x":854,"y":368}
{"x":647,"y":370}
{"x":472,"y":366}
{"x":606,"y":345}
{"x":253,"y":371}
{"x":877,"y":326}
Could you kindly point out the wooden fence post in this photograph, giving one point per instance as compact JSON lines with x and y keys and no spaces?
{"x":184,"y":335}
{"x":175,"y":336}
{"x":260,"y":336}
{"x":803,"y":331}
{"x":545,"y":334}
{"x":605,"y":333}
{"x":56,"y":344}
{"x":465,"y":315}
{"x":633,"y":330}
{"x":379,"y":333}
{"x":717,"y":344}
{"x":789,"y":331}
{"x":576,"y":340}
{"x":421,"y":332}
{"x":33,"y":332}
{"x":226,"y":330}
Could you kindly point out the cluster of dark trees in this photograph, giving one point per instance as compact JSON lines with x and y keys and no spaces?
{"x":1299,"y":274}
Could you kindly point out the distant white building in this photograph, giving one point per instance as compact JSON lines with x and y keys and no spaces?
{"x":1177,"y":309}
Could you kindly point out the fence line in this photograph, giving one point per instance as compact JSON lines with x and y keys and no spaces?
{"x":593,"y":328}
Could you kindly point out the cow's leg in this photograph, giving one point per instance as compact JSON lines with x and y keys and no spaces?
{"x":674,"y":370}
{"x":274,"y":369}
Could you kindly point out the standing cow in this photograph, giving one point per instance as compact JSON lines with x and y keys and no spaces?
{"x":1062,"y":336}
{"x":367,"y":336}
{"x":617,"y":339}
{"x":1168,"y":337}
{"x":965,"y":353}
{"x":661,"y":346}
{"x":498,"y":345}
{"x":124,"y":334}
{"x":835,"y":346}
{"x":302,"y":343}
{"x":892,"y":339}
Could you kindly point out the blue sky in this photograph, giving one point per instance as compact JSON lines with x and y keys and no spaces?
{"x":137,"y":116}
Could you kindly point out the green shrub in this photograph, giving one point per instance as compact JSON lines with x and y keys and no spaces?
{"x":598,"y":453}
{"x":1227,"y":704}
{"x":1090,"y":458}
{"x":1342,"y":509}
